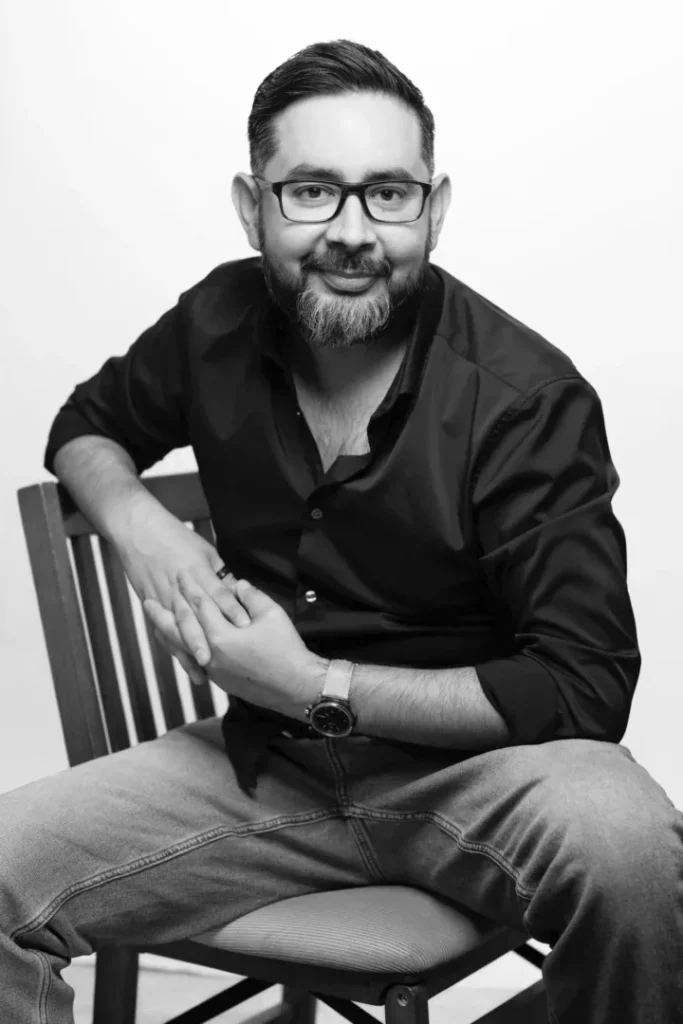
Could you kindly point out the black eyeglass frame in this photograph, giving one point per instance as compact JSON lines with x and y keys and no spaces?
{"x":356,"y":188}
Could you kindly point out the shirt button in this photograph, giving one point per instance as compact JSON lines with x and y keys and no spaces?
{"x":316,"y":514}
{"x":311,"y":596}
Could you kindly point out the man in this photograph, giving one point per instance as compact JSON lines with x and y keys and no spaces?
{"x":417,"y":603}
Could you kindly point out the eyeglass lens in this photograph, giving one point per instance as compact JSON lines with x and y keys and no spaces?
{"x":318,"y":200}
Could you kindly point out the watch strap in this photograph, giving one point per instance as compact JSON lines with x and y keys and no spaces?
{"x":338,"y":679}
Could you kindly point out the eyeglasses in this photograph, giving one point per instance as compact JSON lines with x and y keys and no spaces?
{"x":316,"y":202}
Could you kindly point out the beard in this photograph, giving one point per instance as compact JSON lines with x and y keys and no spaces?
{"x":340,"y":321}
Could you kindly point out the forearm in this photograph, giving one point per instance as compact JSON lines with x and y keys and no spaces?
{"x":103,"y":481}
{"x":435,"y":707}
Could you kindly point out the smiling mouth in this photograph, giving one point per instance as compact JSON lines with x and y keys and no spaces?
{"x":347,"y":282}
{"x":339,"y":273}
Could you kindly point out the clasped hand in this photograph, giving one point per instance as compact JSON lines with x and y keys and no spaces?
{"x":264,"y":661}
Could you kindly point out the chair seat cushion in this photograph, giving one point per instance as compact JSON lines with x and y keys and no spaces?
{"x":385,"y":928}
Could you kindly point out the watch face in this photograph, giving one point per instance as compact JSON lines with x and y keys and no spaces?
{"x":332,"y":720}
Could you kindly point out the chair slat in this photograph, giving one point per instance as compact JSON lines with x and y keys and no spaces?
{"x":201,"y":695}
{"x":131,"y":658}
{"x":202,"y":700}
{"x":167,"y":682}
{"x":67,"y":649}
{"x":98,"y":630}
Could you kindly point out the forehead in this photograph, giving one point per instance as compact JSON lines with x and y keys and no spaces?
{"x":352,"y":133}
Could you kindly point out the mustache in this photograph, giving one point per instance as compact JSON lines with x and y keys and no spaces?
{"x":334,"y":263}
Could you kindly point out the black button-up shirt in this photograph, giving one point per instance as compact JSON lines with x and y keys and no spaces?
{"x":478,"y":531}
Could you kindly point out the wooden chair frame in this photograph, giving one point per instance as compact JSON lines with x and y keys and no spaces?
{"x":86,"y":682}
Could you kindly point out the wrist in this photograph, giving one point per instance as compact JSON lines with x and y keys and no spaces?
{"x":138,"y":522}
{"x":312,"y":681}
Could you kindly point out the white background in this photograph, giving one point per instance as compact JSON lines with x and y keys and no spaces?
{"x":560,"y":124}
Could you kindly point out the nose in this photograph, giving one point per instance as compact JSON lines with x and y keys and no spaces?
{"x":351,"y":227}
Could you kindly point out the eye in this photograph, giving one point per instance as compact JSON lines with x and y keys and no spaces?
{"x":312,"y":193}
{"x":387,"y":194}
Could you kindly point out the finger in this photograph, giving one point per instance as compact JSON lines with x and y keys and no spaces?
{"x":228,"y":602}
{"x":164,"y":623}
{"x":164,"y":642}
{"x":208,"y":614}
{"x":195,"y":672}
{"x":181,"y":629}
{"x":223,"y":593}
{"x":193,"y":629}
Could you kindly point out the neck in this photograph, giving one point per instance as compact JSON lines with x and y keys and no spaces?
{"x":335,"y":372}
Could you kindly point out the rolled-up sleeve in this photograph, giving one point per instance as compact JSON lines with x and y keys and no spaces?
{"x":136,"y":399}
{"x":554,"y":556}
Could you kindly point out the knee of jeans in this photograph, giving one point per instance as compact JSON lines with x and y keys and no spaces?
{"x":616,"y":824}
{"x":28,"y":872}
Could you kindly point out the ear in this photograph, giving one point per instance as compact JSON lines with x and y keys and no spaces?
{"x":439,"y":201}
{"x":245,"y":198}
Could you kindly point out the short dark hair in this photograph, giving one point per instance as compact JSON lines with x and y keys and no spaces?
{"x":329,"y":69}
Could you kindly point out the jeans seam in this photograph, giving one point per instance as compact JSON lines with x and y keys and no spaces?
{"x":45,"y":986}
{"x":356,"y":827}
{"x":367,"y":852}
{"x":153,"y":860}
{"x":358,"y":810}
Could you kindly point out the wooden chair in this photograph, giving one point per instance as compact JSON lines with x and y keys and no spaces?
{"x":392,"y":946}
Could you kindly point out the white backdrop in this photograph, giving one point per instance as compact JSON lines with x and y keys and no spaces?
{"x":123,"y":124}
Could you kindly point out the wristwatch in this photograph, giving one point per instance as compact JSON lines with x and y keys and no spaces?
{"x":330,"y":714}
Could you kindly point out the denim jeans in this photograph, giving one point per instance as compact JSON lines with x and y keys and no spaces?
{"x":570,"y":841}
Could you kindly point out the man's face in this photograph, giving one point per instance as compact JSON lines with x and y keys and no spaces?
{"x":345,"y":138}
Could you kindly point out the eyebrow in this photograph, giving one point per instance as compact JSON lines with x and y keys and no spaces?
{"x":312,"y":173}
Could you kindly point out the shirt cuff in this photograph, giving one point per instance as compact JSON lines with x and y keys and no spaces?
{"x":524,"y":694}
{"x":70,"y":424}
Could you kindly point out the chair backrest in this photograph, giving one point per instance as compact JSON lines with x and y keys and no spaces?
{"x":106,"y":662}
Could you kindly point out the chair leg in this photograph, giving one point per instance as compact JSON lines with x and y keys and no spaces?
{"x":406,"y":1004}
{"x":298,"y":1006}
{"x":116,"y":985}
